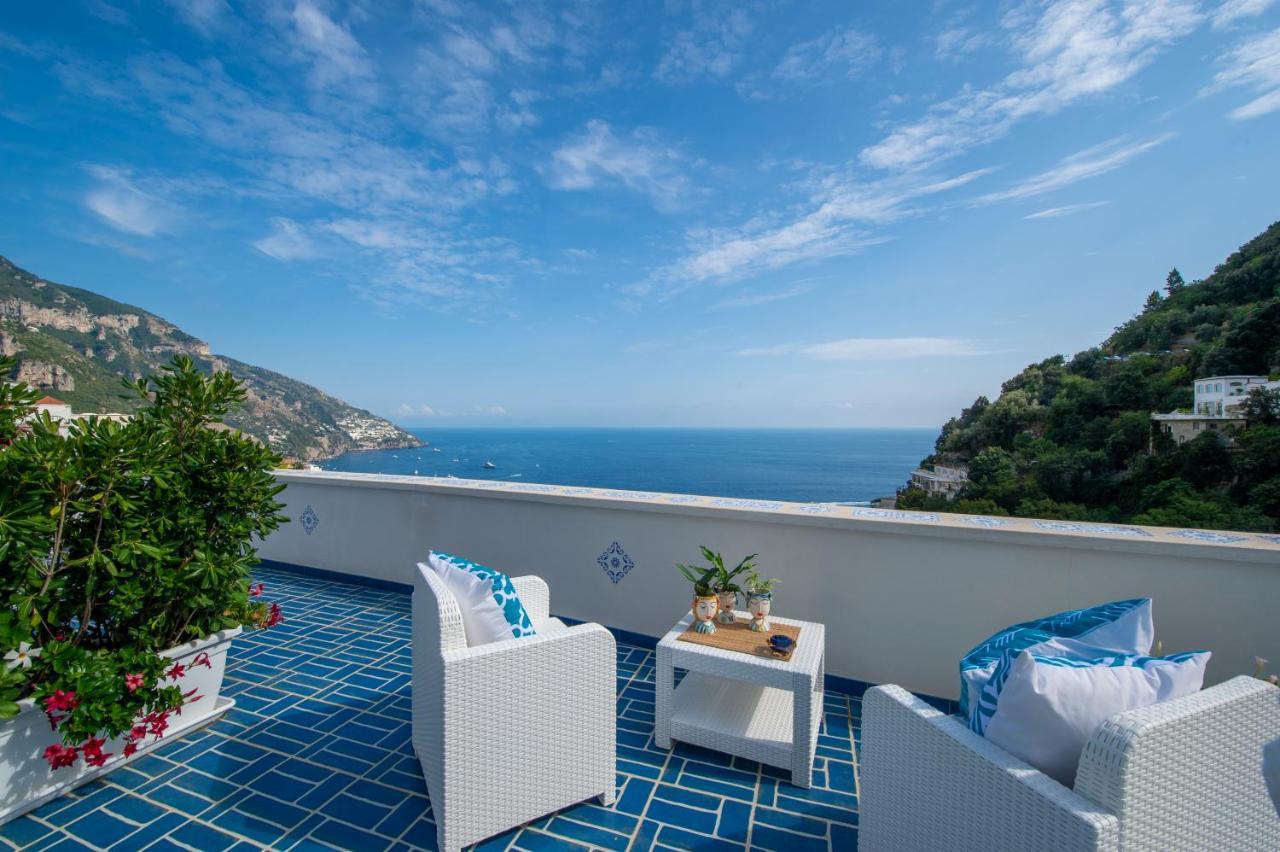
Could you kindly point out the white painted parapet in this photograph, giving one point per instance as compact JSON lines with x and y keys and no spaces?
{"x":903,"y":595}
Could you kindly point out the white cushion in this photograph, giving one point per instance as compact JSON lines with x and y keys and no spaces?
{"x":491,"y":609}
{"x":1050,"y":706}
{"x":550,"y":626}
{"x":1119,"y":628}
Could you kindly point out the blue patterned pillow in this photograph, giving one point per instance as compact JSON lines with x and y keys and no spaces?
{"x":491,"y":609}
{"x":1122,"y":627}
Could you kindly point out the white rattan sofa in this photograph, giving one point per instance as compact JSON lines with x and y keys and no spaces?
{"x":1184,"y":774}
{"x":509,"y":731}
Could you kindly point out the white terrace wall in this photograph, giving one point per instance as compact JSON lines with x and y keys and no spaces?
{"x":903,"y":595}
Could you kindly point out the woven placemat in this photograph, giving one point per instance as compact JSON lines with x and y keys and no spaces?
{"x":741,"y":638}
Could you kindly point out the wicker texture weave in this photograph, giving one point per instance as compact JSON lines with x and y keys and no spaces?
{"x":509,"y":731}
{"x":1187,"y":774}
{"x":1183,"y":774}
{"x":928,"y":782}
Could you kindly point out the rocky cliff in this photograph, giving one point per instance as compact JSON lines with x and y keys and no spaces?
{"x":79,"y":345}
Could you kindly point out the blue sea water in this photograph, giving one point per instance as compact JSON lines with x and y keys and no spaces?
{"x":807,"y":465}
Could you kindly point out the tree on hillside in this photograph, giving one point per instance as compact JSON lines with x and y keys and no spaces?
{"x":1153,"y":301}
{"x":1173,"y":281}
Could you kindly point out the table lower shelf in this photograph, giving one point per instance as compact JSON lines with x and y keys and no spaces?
{"x":739,"y":718}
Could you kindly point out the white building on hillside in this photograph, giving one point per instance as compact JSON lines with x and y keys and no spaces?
{"x":941,"y":481}
{"x":1219,"y":404}
{"x":55,"y":408}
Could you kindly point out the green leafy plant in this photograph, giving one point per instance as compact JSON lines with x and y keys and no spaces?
{"x":119,"y":541}
{"x":715,"y":577}
{"x":757,"y":585}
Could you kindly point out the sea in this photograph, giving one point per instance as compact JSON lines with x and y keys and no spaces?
{"x":803,"y":465}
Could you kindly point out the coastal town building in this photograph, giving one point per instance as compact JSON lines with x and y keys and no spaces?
{"x":61,"y":413}
{"x":1219,"y":405}
{"x":940,"y":481}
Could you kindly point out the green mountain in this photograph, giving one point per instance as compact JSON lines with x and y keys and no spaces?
{"x":1072,"y":437}
{"x":78,"y":345}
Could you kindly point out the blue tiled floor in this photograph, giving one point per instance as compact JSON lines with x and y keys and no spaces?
{"x":316,"y":754}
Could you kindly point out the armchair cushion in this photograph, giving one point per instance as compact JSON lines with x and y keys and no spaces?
{"x":1119,"y":628}
{"x":487,"y":600}
{"x":1050,"y":706}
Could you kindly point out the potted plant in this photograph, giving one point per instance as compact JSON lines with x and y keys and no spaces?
{"x":760,"y":600}
{"x":704,"y":597}
{"x":125,"y":552}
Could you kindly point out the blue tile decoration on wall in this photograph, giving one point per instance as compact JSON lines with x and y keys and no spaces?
{"x":316,"y":755}
{"x":815,"y":509}
{"x":309,"y":520}
{"x":1273,"y":539}
{"x":535,"y":489}
{"x":683,"y":498}
{"x":1206,"y":535}
{"x":1095,"y":529}
{"x":892,"y":514}
{"x":984,"y":521}
{"x":615,"y":562}
{"x":735,"y":503}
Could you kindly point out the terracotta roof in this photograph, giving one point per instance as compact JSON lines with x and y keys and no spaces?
{"x":49,"y":400}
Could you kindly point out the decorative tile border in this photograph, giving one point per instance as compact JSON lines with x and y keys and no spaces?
{"x":1206,"y":535}
{"x":985,"y":521}
{"x":789,"y":509}
{"x":892,"y":514}
{"x":1092,"y":529}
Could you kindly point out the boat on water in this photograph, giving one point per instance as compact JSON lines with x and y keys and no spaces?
{"x":489,"y":465}
{"x":435,"y":449}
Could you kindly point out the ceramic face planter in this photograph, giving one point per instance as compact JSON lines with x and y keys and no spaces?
{"x":704,"y":613}
{"x":759,"y":604}
{"x":728,"y":600}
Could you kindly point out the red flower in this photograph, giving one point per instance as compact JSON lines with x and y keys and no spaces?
{"x":256,"y":591}
{"x":177,"y":671}
{"x":129,"y":749}
{"x":93,"y":753}
{"x":274,"y":617}
{"x":202,"y":659}
{"x":138,"y":732}
{"x":60,"y":701}
{"x":159,"y":723}
{"x":133,"y":681}
{"x":59,"y":756}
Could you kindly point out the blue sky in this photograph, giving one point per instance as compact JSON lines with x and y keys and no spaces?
{"x":750,"y":213}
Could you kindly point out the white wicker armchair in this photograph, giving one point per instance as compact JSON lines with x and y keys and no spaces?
{"x":1183,"y":774}
{"x":509,"y":731}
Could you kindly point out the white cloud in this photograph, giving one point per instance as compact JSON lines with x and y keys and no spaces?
{"x":421,"y":410}
{"x":598,"y":156}
{"x":1071,"y":50}
{"x":875,"y":349}
{"x":836,"y":55}
{"x":206,"y":17}
{"x":1066,"y":210}
{"x":1091,"y":162}
{"x":1233,"y":10}
{"x":287,"y":241}
{"x":334,"y":51}
{"x":959,"y":41}
{"x":122,"y":205}
{"x":711,"y":46}
{"x":835,"y":224}
{"x":1253,"y":64}
{"x":751,"y":300}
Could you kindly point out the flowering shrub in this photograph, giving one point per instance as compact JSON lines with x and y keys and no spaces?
{"x":119,"y":541}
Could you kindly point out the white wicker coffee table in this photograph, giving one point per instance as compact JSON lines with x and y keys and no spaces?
{"x":752,"y":707}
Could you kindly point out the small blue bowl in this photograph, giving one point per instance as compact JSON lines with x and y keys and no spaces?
{"x":781,"y":644}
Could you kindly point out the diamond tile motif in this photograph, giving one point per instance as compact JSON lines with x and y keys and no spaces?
{"x":736,"y":503}
{"x":1273,"y":539}
{"x":309,"y":520}
{"x":1206,"y":535}
{"x":316,"y":755}
{"x":615,"y":562}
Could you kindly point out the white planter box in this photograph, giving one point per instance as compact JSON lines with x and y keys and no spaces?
{"x":26,"y":781}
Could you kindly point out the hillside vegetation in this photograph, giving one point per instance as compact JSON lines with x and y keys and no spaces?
{"x":1069,"y":438}
{"x":78,"y":345}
